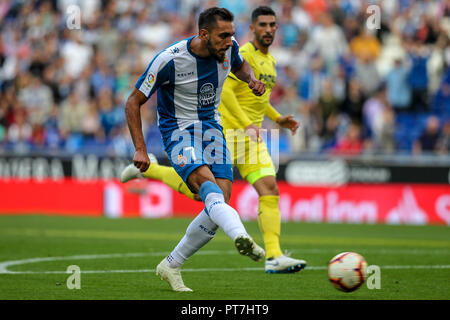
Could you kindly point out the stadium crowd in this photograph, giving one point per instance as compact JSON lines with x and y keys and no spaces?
{"x":355,"y":89}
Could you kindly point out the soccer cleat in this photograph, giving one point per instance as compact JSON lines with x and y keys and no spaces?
{"x":284,"y":264}
{"x":248,"y":247}
{"x":131,"y":172}
{"x":172,"y":276}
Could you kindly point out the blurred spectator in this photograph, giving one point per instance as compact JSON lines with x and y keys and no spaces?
{"x":428,"y":140}
{"x":307,"y":138}
{"x":65,"y":89}
{"x":365,"y":45}
{"x":328,"y":132}
{"x":53,"y":132}
{"x":103,"y":77}
{"x":327,"y":40}
{"x":351,"y":143}
{"x":110,"y":115}
{"x":336,"y":12}
{"x":91,"y":126}
{"x":443,"y":143}
{"x":373,"y":110}
{"x":108,"y":42}
{"x":36,"y":97}
{"x":398,"y":89}
{"x":441,"y":102}
{"x":383,"y":131}
{"x":310,"y":82}
{"x":367,"y":74}
{"x":315,"y":8}
{"x":300,"y":16}
{"x":290,"y":101}
{"x":327,"y":104}
{"x":76,"y":54}
{"x":73,"y":114}
{"x":38,"y":135}
{"x":354,"y":100}
{"x":418,"y":76}
{"x":239,"y":8}
{"x":20,"y":130}
{"x":289,"y":30}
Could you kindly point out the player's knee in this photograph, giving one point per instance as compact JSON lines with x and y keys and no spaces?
{"x":273,"y":189}
{"x":199,"y":176}
{"x":268,"y":188}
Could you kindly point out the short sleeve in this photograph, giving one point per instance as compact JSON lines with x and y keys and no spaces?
{"x":157,"y":74}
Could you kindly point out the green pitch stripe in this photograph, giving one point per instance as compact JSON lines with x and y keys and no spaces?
{"x":286,"y":239}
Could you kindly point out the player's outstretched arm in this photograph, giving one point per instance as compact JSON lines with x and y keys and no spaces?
{"x":245,"y":73}
{"x":133,"y":115}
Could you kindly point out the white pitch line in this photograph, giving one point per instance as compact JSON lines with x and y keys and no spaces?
{"x":312,"y":268}
{"x":6,"y":264}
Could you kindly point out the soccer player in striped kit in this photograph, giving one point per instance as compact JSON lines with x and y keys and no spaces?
{"x":188,"y":77}
{"x":241,"y":110}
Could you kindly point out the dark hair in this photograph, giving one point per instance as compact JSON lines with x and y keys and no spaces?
{"x":262,"y":11}
{"x":208,"y":18}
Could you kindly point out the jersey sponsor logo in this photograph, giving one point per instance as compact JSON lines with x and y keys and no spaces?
{"x":185,"y":74}
{"x":267,"y":78}
{"x":207,"y":95}
{"x":175,"y":50}
{"x":182,"y":160}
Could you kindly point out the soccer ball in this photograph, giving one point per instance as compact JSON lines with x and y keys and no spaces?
{"x":347,"y":271}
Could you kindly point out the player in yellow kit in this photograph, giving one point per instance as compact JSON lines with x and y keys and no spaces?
{"x":241,"y":111}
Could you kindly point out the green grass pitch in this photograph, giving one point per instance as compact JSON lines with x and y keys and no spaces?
{"x":117,"y":258}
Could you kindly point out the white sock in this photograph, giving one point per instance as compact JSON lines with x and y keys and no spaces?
{"x":199,"y":232}
{"x":223,"y":215}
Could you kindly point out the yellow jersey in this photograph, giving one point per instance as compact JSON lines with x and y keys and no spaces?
{"x":239,"y":107}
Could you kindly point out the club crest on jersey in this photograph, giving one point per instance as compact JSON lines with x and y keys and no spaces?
{"x":225,"y":63}
{"x":182,"y":160}
{"x":207,"y":95}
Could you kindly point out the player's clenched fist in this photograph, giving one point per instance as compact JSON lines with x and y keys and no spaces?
{"x":258,"y":87}
{"x":141,"y":160}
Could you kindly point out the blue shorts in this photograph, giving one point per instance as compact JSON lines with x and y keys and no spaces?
{"x":202,"y":143}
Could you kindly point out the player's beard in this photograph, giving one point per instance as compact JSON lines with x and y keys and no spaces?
{"x":215,"y":53}
{"x":265,"y":40}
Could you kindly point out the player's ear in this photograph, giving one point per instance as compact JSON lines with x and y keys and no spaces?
{"x":203,"y":34}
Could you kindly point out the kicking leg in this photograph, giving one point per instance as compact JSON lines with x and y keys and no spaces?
{"x":199,"y":232}
{"x":221,"y":213}
{"x":202,"y":229}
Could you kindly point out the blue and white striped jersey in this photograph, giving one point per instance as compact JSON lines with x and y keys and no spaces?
{"x":188,"y":86}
